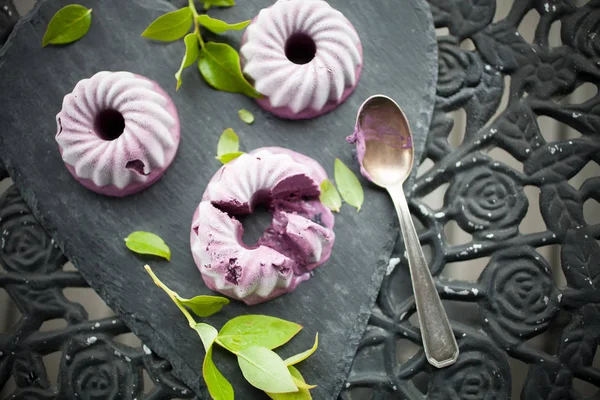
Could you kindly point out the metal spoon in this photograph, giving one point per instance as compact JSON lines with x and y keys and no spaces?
{"x":388,"y":160}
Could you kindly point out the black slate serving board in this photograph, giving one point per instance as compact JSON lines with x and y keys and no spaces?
{"x":400,"y":61}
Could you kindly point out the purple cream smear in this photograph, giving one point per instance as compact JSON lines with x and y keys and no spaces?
{"x":298,"y":240}
{"x":372,"y":126}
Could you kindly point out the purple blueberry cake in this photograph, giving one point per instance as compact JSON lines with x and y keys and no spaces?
{"x":118,"y":132}
{"x":304,"y":56}
{"x":298,"y":240}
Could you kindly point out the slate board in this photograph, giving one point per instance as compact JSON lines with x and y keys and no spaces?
{"x":400,"y":61}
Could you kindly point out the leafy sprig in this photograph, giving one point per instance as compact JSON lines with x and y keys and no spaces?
{"x":252,"y":339}
{"x":218,"y":63}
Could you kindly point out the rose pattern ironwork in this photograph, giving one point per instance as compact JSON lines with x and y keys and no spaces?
{"x":487,"y":201}
{"x":457,"y":70}
{"x":475,"y":376}
{"x":24,"y":246}
{"x":581,"y":28}
{"x":521,"y":296}
{"x":516,"y":295}
{"x":95,"y":368}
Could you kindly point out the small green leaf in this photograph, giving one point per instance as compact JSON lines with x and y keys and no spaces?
{"x":170,"y":26}
{"x":218,"y":3}
{"x":265,"y":370}
{"x":190,"y":57}
{"x":147,"y":243}
{"x":227,"y":157}
{"x":218,"y":386}
{"x":229,"y":142}
{"x":304,"y":355}
{"x":207,"y":334}
{"x":220,"y":66}
{"x":256,"y":330}
{"x":246,"y":116}
{"x":348,"y":185}
{"x":302,"y":394}
{"x":217,"y":26}
{"x":69,"y":24}
{"x":228,"y":146}
{"x":204,"y":306}
{"x":330,"y":197}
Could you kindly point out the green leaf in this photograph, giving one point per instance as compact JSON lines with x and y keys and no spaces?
{"x":302,"y":394}
{"x":228,"y":146}
{"x":220,"y":66}
{"x":227,"y":157}
{"x":207,"y":334}
{"x":204,"y":306}
{"x":330,"y":197}
{"x":218,"y":26}
{"x":229,"y":142}
{"x":147,"y":243}
{"x":265,"y":370}
{"x":246,"y":116}
{"x":348,"y":185}
{"x":218,"y":3}
{"x":304,"y":355}
{"x":190,"y":57}
{"x":170,"y":26}
{"x":218,"y":386}
{"x":69,"y":24}
{"x":256,"y":330}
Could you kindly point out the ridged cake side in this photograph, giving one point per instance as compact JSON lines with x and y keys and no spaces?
{"x":149,"y":140}
{"x":302,"y":87}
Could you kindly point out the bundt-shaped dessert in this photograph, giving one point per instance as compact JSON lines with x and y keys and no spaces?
{"x":304,"y":56}
{"x":118,"y":132}
{"x":298,"y":240}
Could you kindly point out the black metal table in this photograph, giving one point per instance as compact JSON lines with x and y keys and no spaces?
{"x":516,"y":295}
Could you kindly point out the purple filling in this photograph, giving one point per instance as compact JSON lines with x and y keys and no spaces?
{"x":294,"y":195}
{"x":298,"y":238}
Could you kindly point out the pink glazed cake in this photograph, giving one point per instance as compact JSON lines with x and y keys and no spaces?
{"x":117,"y":132}
{"x":304,"y":56}
{"x":298,"y":240}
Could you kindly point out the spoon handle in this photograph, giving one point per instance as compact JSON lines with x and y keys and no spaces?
{"x":439,"y":342}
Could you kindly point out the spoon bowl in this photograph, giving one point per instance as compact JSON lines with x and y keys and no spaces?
{"x":385,"y":152}
{"x":389,"y":154}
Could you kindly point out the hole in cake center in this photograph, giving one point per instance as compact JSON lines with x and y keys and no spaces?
{"x":256,"y":224}
{"x":300,"y":48}
{"x":109,"y":124}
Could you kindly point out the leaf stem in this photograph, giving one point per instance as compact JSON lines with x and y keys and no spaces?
{"x":217,"y":341}
{"x":195,"y":15}
{"x":173,"y":295}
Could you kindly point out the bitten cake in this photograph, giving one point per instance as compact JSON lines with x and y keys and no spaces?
{"x":298,"y":240}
